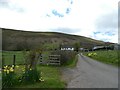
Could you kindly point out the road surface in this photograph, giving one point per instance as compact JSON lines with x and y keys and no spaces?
{"x":91,"y":74}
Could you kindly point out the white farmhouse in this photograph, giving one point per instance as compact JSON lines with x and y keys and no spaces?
{"x":67,"y":47}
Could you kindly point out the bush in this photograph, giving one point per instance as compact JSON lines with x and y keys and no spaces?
{"x":66,"y":56}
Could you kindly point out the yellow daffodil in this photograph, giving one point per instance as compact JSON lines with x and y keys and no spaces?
{"x":95,"y":54}
{"x":5,"y":67}
{"x":17,"y":66}
{"x":41,"y":79}
{"x":89,"y":54}
{"x":7,"y":71}
{"x":11,"y":69}
{"x":12,"y":65}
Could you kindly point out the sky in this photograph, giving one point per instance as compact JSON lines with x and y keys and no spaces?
{"x":97,"y":19}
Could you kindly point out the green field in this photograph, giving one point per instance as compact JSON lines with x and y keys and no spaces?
{"x":109,"y":57}
{"x":8,"y":57}
{"x":19,"y":55}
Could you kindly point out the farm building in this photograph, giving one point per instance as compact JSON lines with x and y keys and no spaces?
{"x":102,"y":48}
{"x":67,"y":47}
{"x":98,"y":47}
{"x":116,"y":46}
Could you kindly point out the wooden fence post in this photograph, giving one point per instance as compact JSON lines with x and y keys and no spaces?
{"x":3,"y":61}
{"x":14,"y":58}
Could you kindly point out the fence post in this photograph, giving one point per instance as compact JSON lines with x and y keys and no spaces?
{"x":14,"y":57}
{"x":3,"y":61}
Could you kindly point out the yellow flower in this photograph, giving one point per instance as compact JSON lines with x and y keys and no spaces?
{"x":7,"y":71}
{"x":17,"y":66}
{"x":95,"y":53}
{"x":12,"y":65}
{"x":5,"y":67}
{"x":89,"y":54}
{"x":30,"y":68}
{"x":11,"y":69}
{"x":42,"y":80}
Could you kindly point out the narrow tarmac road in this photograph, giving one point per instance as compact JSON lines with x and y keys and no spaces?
{"x":91,"y":74}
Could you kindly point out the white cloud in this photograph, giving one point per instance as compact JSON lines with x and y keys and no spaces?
{"x":82,"y":17}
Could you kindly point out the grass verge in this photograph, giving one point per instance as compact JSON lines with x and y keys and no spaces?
{"x":108,"y":57}
{"x":72,"y":63}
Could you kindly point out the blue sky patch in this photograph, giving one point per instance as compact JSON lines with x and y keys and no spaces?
{"x":57,"y":13}
{"x":68,"y":10}
{"x":96,"y":32}
{"x":109,"y":33}
{"x":71,"y":2}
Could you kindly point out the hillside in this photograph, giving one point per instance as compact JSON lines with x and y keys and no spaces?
{"x":20,"y":40}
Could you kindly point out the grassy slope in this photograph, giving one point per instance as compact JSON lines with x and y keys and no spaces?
{"x":16,"y":38}
{"x":109,"y":57}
